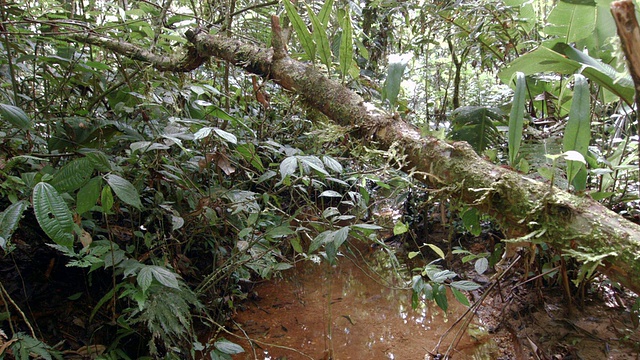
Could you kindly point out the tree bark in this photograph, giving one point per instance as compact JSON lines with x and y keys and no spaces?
{"x":530,"y":211}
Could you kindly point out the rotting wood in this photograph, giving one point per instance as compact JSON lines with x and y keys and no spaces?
{"x":527,"y":208}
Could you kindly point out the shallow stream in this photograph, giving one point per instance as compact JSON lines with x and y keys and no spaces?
{"x":357,"y":309}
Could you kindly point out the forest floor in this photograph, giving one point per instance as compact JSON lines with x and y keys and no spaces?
{"x":359,"y":309}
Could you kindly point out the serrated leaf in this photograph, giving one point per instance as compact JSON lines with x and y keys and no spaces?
{"x":15,"y":116}
{"x":73,"y":175}
{"x":9,"y":219}
{"x":227,"y":347}
{"x":88,"y":195}
{"x":226,"y":136}
{"x":52,"y":214}
{"x":124,"y":190}
{"x":288,"y":166}
{"x":162,"y":275}
{"x":481,"y":265}
{"x":301,"y":30}
{"x":465,"y":285}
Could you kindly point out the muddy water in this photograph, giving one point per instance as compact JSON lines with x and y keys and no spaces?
{"x":355,"y":310}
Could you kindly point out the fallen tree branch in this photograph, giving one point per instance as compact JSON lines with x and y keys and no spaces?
{"x":529,"y":210}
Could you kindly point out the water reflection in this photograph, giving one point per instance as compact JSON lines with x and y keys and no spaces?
{"x":355,"y":310}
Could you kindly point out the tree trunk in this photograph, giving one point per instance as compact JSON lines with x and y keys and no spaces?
{"x":530,"y":211}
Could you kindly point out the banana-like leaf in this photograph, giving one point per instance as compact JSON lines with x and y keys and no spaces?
{"x":320,"y":38}
{"x":577,"y":133}
{"x":9,"y":220}
{"x":346,"y":44}
{"x":52,"y":214}
{"x":476,"y":125}
{"x":15,"y":116}
{"x":568,"y":60}
{"x":301,"y":30}
{"x":571,"y":21}
{"x":124,"y":190}
{"x":516,"y":118}
{"x":73,"y":175}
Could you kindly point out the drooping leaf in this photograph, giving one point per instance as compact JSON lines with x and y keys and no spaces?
{"x":88,"y":195}
{"x":124,"y":190}
{"x":340,"y":236}
{"x":577,"y":133}
{"x":52,"y":214}
{"x":332,"y":164}
{"x":72,"y":175}
{"x":320,"y":37}
{"x":346,"y":44}
{"x":106,"y":199}
{"x":9,"y":219}
{"x":516,"y":118}
{"x":460,"y":296}
{"x":226,"y":136}
{"x":395,"y":71}
{"x":437,"y":250}
{"x":440,"y":296}
{"x":15,"y":116}
{"x":330,"y":193}
{"x":301,"y":30}
{"x":313,"y":162}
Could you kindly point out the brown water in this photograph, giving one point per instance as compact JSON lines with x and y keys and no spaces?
{"x":355,"y":310}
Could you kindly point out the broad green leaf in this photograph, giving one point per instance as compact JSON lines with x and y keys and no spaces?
{"x":332,"y":164}
{"x":278,"y":232}
{"x":161,"y":274}
{"x":460,"y":296}
{"x":346,"y":44}
{"x":288,"y":166}
{"x":471,"y":221}
{"x":516,"y":117}
{"x":248,"y":152}
{"x":400,"y":228}
{"x":9,"y":219}
{"x":72,"y":175}
{"x":395,"y":71}
{"x":481,"y":265}
{"x":227,"y":347}
{"x":477,"y":126}
{"x":440,"y":296}
{"x":88,"y":195}
{"x":99,"y":161}
{"x":413,"y":254}
{"x":226,"y":136}
{"x":15,"y":116}
{"x":340,"y":236}
{"x":439,"y":276}
{"x":313,"y":162}
{"x":322,"y":238}
{"x":465,"y":285}
{"x":571,"y":22}
{"x":106,"y":199}
{"x":320,"y":37}
{"x":330,"y":193}
{"x":577,"y":133}
{"x":52,"y":214}
{"x":124,"y":190}
{"x":437,"y":250}
{"x":301,"y":30}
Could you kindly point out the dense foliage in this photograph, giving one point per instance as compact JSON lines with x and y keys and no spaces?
{"x":170,"y":192}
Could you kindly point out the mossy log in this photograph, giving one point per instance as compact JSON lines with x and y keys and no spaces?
{"x":529,"y":210}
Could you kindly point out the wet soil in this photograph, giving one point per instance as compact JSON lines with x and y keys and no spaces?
{"x":357,"y":310}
